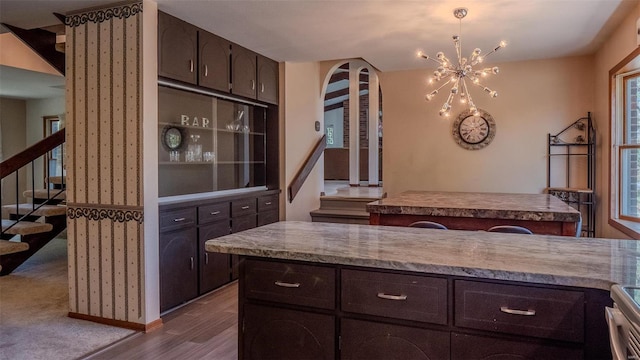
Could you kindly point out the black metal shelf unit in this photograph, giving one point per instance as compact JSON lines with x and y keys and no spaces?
{"x":575,"y":145}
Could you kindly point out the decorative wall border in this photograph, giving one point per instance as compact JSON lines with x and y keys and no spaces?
{"x":98,"y":16}
{"x":97,"y":213}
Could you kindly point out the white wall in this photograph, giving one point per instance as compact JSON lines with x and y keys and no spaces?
{"x":13,"y":113}
{"x":335,"y":118}
{"x":535,"y":98}
{"x":303,"y":106}
{"x":36,"y":110}
{"x":620,"y":44}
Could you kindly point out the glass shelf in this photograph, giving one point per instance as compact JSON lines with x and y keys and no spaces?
{"x":240,"y":155}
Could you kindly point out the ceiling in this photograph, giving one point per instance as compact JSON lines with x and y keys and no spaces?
{"x":386,"y":33}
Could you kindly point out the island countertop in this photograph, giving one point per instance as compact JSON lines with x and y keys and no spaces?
{"x":537,"y":207}
{"x":553,"y":260}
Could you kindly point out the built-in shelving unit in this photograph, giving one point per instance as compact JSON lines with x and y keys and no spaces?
{"x":571,"y":168}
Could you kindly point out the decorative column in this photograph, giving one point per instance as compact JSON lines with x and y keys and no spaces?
{"x":104,"y":165}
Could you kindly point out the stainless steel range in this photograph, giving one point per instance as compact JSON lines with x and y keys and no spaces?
{"x":624,"y":322}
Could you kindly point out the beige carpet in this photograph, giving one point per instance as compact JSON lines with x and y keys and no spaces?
{"x":34,"y":303}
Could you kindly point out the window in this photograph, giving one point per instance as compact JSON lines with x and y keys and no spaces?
{"x":629,"y":148}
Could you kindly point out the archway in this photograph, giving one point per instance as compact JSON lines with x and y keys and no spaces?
{"x":353,"y":128}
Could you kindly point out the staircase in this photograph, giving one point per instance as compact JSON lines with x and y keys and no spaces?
{"x":27,"y":227}
{"x":31,"y":226}
{"x":346,"y":206}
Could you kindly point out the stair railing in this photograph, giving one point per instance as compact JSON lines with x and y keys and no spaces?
{"x":307,"y":166}
{"x":28,"y":157}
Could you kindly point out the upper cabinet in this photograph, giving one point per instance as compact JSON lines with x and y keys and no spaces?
{"x":215,"y":53}
{"x":243,"y":72}
{"x":267,"y":80}
{"x":177,"y":49}
{"x":194,"y":56}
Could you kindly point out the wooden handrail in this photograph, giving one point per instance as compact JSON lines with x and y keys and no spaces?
{"x":31,"y":153}
{"x":305,"y":170}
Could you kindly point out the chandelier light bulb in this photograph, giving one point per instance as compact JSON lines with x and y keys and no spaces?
{"x":494,"y":94}
{"x":495,"y":70}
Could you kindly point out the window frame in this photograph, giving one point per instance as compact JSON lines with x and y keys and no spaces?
{"x":629,"y":65}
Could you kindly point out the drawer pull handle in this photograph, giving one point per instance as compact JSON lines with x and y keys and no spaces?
{"x":268,"y":203}
{"x":206,"y":258}
{"x":179,"y":219}
{"x":245,"y":207}
{"x":206,"y":70}
{"x":392,"y":297}
{"x":287,"y":285}
{"x":215,"y":213}
{"x":253,"y":84}
{"x":507,"y":310}
{"x":190,"y":65}
{"x":192,"y":263}
{"x":261,"y":87}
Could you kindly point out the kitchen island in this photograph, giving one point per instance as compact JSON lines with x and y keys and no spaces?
{"x":540,"y":213}
{"x":320,"y":290}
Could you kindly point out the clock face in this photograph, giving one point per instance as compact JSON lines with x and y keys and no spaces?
{"x":474,"y":131}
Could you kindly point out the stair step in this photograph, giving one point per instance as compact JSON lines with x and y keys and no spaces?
{"x":58,"y":180}
{"x":347,"y":203}
{"x":46,"y":194}
{"x":340,"y":216}
{"x":25,"y":227}
{"x":10,"y":247}
{"x":44,"y":210}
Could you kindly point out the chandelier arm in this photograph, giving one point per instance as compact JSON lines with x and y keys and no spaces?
{"x":427,"y":57}
{"x":443,"y":85}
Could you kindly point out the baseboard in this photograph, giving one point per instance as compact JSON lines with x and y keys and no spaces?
{"x":119,"y":323}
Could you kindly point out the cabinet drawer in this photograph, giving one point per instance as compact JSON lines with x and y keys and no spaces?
{"x":177,"y":219}
{"x":523,"y":310}
{"x":296,"y":284}
{"x":266,"y":203}
{"x":243,"y":207}
{"x":214,"y":212}
{"x":268,"y":217}
{"x":408,"y":297}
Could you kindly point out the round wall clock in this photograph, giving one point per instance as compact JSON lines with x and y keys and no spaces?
{"x":172,"y":137}
{"x":474,"y":132}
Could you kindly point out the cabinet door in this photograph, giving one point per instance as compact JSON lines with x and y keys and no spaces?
{"x":215,"y":57}
{"x":214,"y":267}
{"x":177,"y":49}
{"x":274,"y":333}
{"x":178,"y":274}
{"x":267,"y":80}
{"x":367,"y":340}
{"x":469,"y":347}
{"x":243,"y":72}
{"x":240,"y":224}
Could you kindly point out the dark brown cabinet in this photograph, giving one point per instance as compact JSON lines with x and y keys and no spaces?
{"x":186,"y":268}
{"x":470,"y":347}
{"x":214,"y":62}
{"x":177,"y":49}
{"x":267,"y":80}
{"x":243,"y":72}
{"x":178,"y":267}
{"x":194,"y":56}
{"x":275,"y":333}
{"x":214,"y":268}
{"x":385,"y":314}
{"x":364,"y":340}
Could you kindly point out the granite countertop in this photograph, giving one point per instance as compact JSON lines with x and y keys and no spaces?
{"x":544,"y":259}
{"x":537,"y":207}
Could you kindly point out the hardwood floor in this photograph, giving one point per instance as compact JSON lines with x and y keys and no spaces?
{"x":204,"y":329}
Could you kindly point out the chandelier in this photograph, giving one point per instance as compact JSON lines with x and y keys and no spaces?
{"x":458,"y":73}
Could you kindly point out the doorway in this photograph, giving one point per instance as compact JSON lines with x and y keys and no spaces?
{"x":353,"y":128}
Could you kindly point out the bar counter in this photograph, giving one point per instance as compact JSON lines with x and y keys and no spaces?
{"x":541,"y":213}
{"x":552,"y":260}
